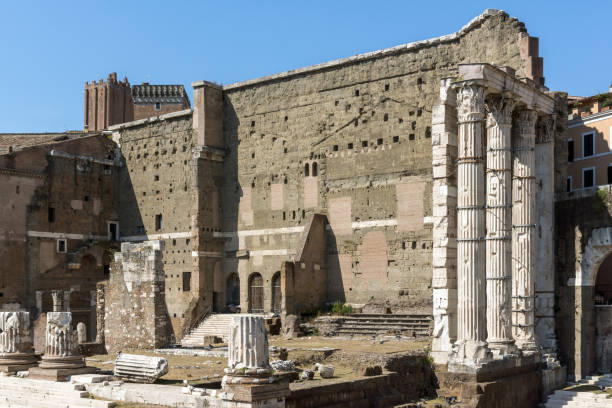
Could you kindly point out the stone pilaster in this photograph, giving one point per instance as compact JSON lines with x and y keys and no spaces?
{"x":470,"y":349}
{"x":523,"y":230}
{"x":545,"y":267}
{"x":15,"y":341}
{"x":499,"y":223}
{"x":444,"y":280}
{"x":62,"y":345}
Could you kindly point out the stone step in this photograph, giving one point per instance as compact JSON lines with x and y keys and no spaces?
{"x":374,"y":331}
{"x":377,"y":324}
{"x":16,"y":383}
{"x":42,"y":401}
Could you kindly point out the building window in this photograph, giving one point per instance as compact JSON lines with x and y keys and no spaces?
{"x":186,"y":281}
{"x":51,"y":214}
{"x":306,"y":170}
{"x":113,"y":231}
{"x":588,"y":148}
{"x":570,"y":150}
{"x":62,"y":246}
{"x":588,"y":177}
{"x":315,"y":170}
{"x":158,"y":222}
{"x":569,"y":184}
{"x":610,"y":174}
{"x":157,"y":106}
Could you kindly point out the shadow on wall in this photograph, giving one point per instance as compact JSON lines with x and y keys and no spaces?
{"x":336,"y":283}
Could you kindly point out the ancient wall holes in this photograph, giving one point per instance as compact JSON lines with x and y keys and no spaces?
{"x":386,"y":117}
{"x":386,"y":87}
{"x":356,"y":92}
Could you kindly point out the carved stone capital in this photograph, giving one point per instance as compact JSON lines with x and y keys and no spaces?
{"x":499,"y":110}
{"x":525,"y":121}
{"x":470,"y":102}
{"x":545,"y":132}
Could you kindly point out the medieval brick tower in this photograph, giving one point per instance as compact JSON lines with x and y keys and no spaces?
{"x":107,"y":103}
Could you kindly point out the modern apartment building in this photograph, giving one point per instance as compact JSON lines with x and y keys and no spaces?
{"x":589,"y":136}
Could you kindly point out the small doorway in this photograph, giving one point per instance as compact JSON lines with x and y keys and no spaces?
{"x":277,"y":295}
{"x":256,"y":293}
{"x":232,"y":290}
{"x":603,"y":317}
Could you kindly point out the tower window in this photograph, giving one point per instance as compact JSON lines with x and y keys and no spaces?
{"x":157,"y":106}
{"x":158,"y":222}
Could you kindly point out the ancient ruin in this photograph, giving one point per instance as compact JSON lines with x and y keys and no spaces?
{"x":408,"y":198}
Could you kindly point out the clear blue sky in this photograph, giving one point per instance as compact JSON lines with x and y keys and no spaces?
{"x":50,"y":48}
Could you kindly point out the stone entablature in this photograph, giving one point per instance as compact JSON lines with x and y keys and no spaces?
{"x":485,"y":218}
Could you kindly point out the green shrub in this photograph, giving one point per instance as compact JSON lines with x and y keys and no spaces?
{"x":341,"y":309}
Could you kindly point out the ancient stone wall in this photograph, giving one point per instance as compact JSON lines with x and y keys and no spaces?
{"x":581,"y":219}
{"x":135,"y":301}
{"x":157,"y":185}
{"x":58,"y":204}
{"x":350,"y":138}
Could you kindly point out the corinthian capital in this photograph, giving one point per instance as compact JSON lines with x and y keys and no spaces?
{"x":499,"y":110}
{"x":546,"y":129}
{"x":470,"y":102}
{"x":525,"y":121}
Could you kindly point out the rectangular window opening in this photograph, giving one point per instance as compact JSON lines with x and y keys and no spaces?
{"x":62,"y":246}
{"x":158,"y":222}
{"x":570,"y":150}
{"x":588,"y":148}
{"x":588,"y":178}
{"x":51,"y":214}
{"x":186,"y":281}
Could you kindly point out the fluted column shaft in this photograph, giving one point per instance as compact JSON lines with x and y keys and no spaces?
{"x":523,"y":230}
{"x":499,"y":222}
{"x":471,"y":307}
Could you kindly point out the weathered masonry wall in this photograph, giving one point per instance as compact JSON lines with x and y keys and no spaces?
{"x":135,"y":305}
{"x":157,"y":187}
{"x":584,"y":242}
{"x":351,"y":139}
{"x":58,"y":205}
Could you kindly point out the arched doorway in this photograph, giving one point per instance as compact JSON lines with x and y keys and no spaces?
{"x":277,"y":295}
{"x":232,"y":290}
{"x":256,"y":293}
{"x":602,"y":297}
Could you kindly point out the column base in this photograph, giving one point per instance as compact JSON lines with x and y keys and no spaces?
{"x":503,"y":348}
{"x":527,"y":346}
{"x":61,"y":362}
{"x":469,"y":356}
{"x":16,"y":358}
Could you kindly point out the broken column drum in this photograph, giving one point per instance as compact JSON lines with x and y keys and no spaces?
{"x":470,"y":347}
{"x":523,"y":230}
{"x":499,"y":223}
{"x":248,"y":360}
{"x":62,"y":344}
{"x":15,"y":339}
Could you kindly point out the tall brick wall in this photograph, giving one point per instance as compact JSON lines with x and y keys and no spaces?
{"x":365,"y":122}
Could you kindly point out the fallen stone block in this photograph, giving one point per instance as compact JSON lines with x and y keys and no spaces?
{"x":283,"y":365}
{"x":138,"y":368}
{"x":325,"y":371}
{"x":307,"y":375}
{"x":368,"y":371}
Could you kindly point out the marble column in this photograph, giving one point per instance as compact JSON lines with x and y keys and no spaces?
{"x":248,"y":355}
{"x":61,"y":350}
{"x":523,"y":230}
{"x":15,"y":341}
{"x":499,"y":223}
{"x":470,"y":349}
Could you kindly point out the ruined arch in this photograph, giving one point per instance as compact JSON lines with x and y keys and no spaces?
{"x":256,"y":293}
{"x":598,"y":247}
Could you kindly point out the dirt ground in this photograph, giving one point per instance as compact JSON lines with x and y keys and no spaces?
{"x":304,"y":351}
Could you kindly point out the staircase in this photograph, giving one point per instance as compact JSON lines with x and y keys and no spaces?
{"x":583,"y":399}
{"x":216,"y":324}
{"x":374,"y":324}
{"x":25,"y":393}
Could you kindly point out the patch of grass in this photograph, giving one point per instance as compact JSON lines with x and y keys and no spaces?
{"x":341,"y":309}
